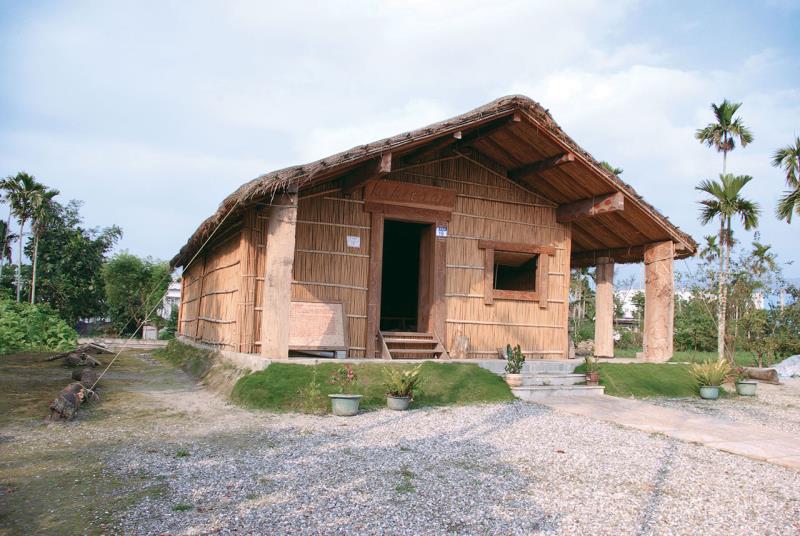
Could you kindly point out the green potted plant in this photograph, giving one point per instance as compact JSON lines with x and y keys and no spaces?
{"x":400,"y":386}
{"x":344,"y":403}
{"x":515,"y":359}
{"x":592,"y":370}
{"x":744,"y":385}
{"x":708,"y":376}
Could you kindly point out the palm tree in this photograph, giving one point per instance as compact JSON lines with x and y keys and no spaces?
{"x":5,"y":249}
{"x":41,"y":212}
{"x":20,"y":192}
{"x":723,"y":133}
{"x":710,"y":250}
{"x":763,"y":259}
{"x":788,"y":158}
{"x":726,"y":202}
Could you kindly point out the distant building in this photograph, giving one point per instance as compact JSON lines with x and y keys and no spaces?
{"x":172,"y":299}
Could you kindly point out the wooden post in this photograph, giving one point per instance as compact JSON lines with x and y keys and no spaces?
{"x":374,"y":285}
{"x":247,"y":272}
{"x":604,"y":308}
{"x":659,"y":301}
{"x":278,"y":276}
{"x":439,"y":310}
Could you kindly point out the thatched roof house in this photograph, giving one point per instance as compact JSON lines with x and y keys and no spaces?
{"x":454,"y":238}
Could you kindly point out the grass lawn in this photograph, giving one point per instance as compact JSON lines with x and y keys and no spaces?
{"x":285,"y":386}
{"x":690,"y":356}
{"x":646,"y":380}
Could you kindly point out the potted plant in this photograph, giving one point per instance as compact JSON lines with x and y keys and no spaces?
{"x":400,"y":385}
{"x":344,"y":404}
{"x":708,"y":376}
{"x":592,"y":370}
{"x":744,"y":385}
{"x":515,"y":359}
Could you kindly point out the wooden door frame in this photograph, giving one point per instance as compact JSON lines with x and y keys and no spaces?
{"x":434,"y":218}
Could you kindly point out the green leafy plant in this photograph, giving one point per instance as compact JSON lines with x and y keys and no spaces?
{"x":311,"y":399}
{"x":592,"y":364}
{"x":25,"y":327}
{"x":710,"y":373}
{"x":402,"y":383}
{"x":515,"y":359}
{"x":344,"y":378}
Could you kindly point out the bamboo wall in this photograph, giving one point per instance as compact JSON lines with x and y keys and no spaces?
{"x":211,"y":290}
{"x":223,"y":288}
{"x":489,"y":206}
{"x":325,"y":268}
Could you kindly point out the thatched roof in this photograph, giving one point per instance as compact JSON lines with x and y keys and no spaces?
{"x":537,"y":122}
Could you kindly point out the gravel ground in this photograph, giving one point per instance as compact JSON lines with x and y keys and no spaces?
{"x":775,"y":406}
{"x":191,"y":464}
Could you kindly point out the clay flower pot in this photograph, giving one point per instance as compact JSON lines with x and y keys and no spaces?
{"x":514,"y":380}
{"x":592,"y":378}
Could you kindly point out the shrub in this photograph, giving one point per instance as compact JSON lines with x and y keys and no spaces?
{"x":26,"y":327}
{"x":399,"y":382}
{"x":515,"y":359}
{"x":710,"y":373}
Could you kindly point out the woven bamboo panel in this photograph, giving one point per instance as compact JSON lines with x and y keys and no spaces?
{"x":326,"y":268}
{"x":491,"y":207}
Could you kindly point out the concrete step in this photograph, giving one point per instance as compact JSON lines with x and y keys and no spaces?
{"x":529,"y":380}
{"x":542,"y":392}
{"x":539,"y":366}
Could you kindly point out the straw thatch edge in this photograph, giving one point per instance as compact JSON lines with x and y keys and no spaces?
{"x":266,"y":186}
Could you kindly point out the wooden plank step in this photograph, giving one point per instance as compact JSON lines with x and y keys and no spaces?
{"x":410,"y":341}
{"x":400,"y":351}
{"x":406,"y":334}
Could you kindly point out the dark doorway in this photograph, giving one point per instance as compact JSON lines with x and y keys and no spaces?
{"x":400,"y":275}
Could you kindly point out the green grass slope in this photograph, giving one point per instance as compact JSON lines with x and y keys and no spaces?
{"x":285,"y":386}
{"x":645,"y":380}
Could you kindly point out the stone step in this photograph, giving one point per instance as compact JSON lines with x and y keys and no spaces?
{"x":539,"y":366}
{"x":541,"y":392}
{"x":552,"y":379}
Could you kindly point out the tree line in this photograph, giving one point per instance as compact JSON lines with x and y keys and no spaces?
{"x":71,"y":270}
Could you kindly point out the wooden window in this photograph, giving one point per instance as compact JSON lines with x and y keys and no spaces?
{"x":515,"y":271}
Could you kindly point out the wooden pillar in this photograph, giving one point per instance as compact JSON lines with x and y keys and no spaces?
{"x":247,"y":289}
{"x":374,"y":284}
{"x":278,"y":276}
{"x":659,"y":301}
{"x":604,"y":308}
{"x":438,"y":321}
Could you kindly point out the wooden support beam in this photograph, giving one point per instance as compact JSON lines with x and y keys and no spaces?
{"x":592,"y":206}
{"x":277,"y":293}
{"x":592,"y":258}
{"x":604,"y":308}
{"x":458,"y":139}
{"x":527,"y":170}
{"x":659,"y":301}
{"x":369,"y":171}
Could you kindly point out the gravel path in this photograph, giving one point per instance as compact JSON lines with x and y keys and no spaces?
{"x":500,"y":469}
{"x":775,"y":406}
{"x":191,"y":464}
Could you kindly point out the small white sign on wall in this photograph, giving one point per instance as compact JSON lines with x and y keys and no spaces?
{"x":441,"y":231}
{"x":353,"y":241}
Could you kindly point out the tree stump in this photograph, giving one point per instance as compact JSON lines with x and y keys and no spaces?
{"x":66,"y":404}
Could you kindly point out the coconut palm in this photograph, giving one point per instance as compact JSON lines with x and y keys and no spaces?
{"x":725,"y":130}
{"x":20,"y":191}
{"x":41,"y":212}
{"x":725,"y":202}
{"x":788,"y":158}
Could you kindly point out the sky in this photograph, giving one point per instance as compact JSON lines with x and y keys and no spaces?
{"x":152,"y":112}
